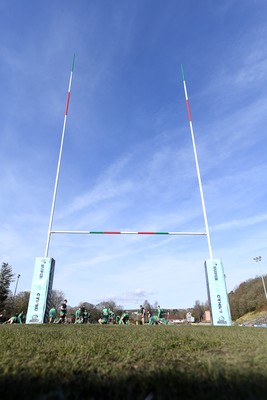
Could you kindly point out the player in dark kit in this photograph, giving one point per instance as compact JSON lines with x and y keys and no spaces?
{"x":63,"y":312}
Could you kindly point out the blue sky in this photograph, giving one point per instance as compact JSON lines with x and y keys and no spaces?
{"x":128,"y":162}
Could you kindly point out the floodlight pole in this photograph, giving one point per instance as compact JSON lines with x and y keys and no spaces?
{"x":197,"y":167}
{"x":15,"y":291}
{"x":14,"y":295}
{"x":59,"y":162}
{"x":263,"y":283}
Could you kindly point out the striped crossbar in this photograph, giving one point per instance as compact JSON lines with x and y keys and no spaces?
{"x":128,"y":233}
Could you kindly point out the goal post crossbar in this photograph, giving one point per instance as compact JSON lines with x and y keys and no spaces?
{"x":126,"y":233}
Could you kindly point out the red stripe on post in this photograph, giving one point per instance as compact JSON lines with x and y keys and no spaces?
{"x":188,"y":110}
{"x":67,"y":104}
{"x":112,"y":233}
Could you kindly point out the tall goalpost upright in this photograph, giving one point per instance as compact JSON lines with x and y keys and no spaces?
{"x":44,"y":268}
{"x":42,"y":281}
{"x":214,"y":271}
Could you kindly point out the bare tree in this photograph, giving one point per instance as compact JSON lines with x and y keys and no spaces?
{"x":21,"y":302}
{"x":56,"y":298}
{"x":198,"y":311}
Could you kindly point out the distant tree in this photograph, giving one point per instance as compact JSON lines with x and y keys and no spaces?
{"x":181,"y":314}
{"x":86,"y":305}
{"x":178,"y":313}
{"x":21,"y":302}
{"x":198,"y":311}
{"x":234,"y":306}
{"x":155,"y":305}
{"x":249,"y":296}
{"x":147,"y":306}
{"x":110,"y":304}
{"x":6,"y":277}
{"x":95,"y":313}
{"x":57,"y":297}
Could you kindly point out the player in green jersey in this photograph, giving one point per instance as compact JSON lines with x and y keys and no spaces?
{"x":124,"y":318}
{"x":52,"y":314}
{"x":78,"y":316}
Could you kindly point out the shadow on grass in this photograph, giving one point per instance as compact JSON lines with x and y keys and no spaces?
{"x":137,"y":386}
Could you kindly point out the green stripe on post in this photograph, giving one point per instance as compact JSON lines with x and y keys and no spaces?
{"x":182,"y":68}
{"x":73,"y":62}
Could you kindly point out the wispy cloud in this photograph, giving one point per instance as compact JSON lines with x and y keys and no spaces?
{"x":241,"y":223}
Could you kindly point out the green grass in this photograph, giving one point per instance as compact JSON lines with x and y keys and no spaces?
{"x":132,"y":362}
{"x":253,"y":316}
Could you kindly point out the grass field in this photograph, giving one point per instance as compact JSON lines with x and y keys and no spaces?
{"x":58,"y":362}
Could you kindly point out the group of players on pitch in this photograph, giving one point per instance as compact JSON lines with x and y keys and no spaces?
{"x":82,"y":316}
{"x":108,"y":317}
